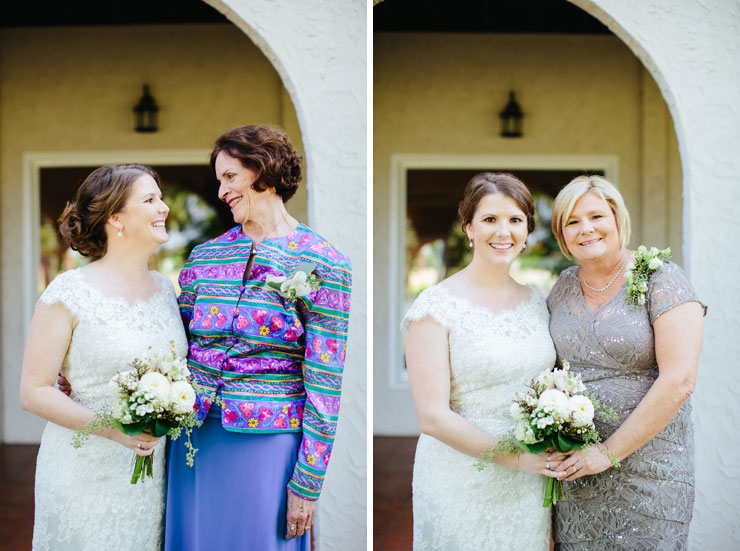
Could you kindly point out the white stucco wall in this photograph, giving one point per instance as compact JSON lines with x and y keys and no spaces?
{"x":319,"y":50}
{"x":582,"y":96}
{"x":692,"y":50}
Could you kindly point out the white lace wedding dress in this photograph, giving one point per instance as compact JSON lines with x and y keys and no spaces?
{"x":84,"y":498}
{"x":492,"y":355}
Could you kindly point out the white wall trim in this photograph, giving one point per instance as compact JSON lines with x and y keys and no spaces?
{"x":33,"y":162}
{"x":400,"y":164}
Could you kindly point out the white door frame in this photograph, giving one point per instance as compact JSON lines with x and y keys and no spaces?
{"x":403,"y":162}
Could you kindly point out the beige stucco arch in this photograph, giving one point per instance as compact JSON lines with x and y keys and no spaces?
{"x":319,"y":51}
{"x":691,"y":49}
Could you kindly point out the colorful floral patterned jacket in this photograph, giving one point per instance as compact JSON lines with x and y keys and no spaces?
{"x":277,"y":363}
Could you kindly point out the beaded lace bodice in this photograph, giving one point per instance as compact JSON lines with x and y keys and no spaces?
{"x":492,"y":355}
{"x":84,"y":499}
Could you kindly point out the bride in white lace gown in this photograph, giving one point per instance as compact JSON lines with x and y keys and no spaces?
{"x":90,"y":323}
{"x":473,"y":341}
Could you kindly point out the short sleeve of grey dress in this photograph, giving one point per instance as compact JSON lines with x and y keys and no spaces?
{"x":647,"y":504}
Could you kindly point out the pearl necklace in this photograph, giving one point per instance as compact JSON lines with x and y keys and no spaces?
{"x":621,"y":268}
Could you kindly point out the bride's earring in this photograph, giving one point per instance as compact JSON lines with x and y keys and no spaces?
{"x":470,"y":243}
{"x":120,"y":232}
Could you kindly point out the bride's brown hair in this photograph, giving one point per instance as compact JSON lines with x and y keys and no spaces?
{"x":487,"y":183}
{"x":103,"y":193}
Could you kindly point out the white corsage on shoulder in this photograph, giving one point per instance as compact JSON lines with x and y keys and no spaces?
{"x":299,"y":283}
{"x":639,"y":270}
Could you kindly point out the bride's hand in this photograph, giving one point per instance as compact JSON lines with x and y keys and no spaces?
{"x":141,"y":444}
{"x":545,"y":463}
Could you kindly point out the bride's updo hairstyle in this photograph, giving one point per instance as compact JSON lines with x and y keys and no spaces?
{"x":103,"y":193}
{"x":487,"y":183}
{"x":266,"y":151}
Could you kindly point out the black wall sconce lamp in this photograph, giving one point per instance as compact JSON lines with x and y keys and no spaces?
{"x":146,"y":112}
{"x":511,"y":118}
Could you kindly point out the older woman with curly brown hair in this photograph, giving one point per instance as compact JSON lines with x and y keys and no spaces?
{"x":266,"y":307}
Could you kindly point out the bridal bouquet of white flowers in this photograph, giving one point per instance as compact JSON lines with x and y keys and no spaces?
{"x":154,"y":395}
{"x":552,"y":413}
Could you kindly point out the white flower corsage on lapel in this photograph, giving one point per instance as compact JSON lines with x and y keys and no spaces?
{"x":299,"y":283}
{"x":639,"y":270}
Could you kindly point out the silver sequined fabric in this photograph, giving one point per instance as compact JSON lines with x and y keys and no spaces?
{"x":647,"y":504}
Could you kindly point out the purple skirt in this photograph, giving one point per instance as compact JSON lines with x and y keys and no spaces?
{"x":234,"y":497}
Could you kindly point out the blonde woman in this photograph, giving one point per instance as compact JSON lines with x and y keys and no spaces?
{"x":474,"y":340}
{"x":642,"y":362}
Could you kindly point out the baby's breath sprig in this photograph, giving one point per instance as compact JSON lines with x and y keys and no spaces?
{"x":601,"y":409}
{"x":100,"y":421}
{"x":507,"y":445}
{"x":645,"y":261}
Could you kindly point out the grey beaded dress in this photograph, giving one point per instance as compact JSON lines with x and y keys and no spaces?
{"x":648,"y":503}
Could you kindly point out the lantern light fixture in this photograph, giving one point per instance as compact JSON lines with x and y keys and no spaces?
{"x":146,"y":112}
{"x":511,"y":118}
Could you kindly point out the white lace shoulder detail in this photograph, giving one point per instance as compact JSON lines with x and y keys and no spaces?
{"x":431,"y":303}
{"x":63,"y":289}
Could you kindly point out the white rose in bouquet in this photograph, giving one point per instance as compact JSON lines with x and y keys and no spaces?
{"x":516,"y":413}
{"x":524,"y":433}
{"x":176,"y":369}
{"x":155,"y":387}
{"x":119,"y":406}
{"x":527,"y":398}
{"x":554,"y":401}
{"x":563,"y":381}
{"x":182,"y":397}
{"x":581,"y":410}
{"x":546,"y":379}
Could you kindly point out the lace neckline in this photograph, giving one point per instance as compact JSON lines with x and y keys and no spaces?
{"x":473,"y":306}
{"x":119,"y":299}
